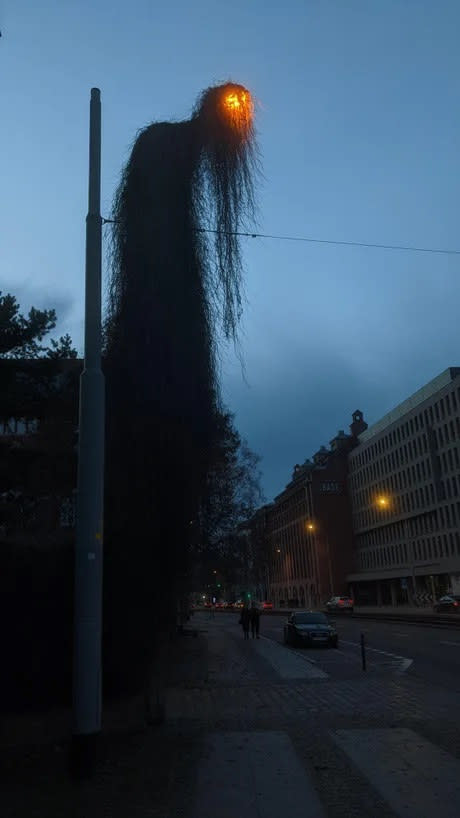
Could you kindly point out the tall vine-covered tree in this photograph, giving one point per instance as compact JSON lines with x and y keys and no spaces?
{"x":174,"y":287}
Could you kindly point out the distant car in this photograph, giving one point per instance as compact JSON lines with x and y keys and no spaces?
{"x":450,"y":602}
{"x":267,"y":606}
{"x":308,"y":628}
{"x":207,"y":604}
{"x":340,"y":603}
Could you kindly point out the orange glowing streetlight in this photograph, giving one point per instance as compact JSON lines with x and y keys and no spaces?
{"x":312,"y":528}
{"x":238,"y":106}
{"x":383,"y":501}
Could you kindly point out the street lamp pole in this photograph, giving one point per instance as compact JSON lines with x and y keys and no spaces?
{"x":331,"y":584}
{"x":411,"y":548}
{"x":87,"y":671}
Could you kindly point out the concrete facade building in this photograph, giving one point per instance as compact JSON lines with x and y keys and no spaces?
{"x":404,"y":486}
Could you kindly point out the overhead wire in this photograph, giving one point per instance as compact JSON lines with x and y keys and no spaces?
{"x":337,"y":242}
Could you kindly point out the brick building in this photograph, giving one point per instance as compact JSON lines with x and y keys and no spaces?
{"x":309,"y":528}
{"x":404,"y":485}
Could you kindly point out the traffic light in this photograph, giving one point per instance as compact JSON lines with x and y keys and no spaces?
{"x":218,"y":584}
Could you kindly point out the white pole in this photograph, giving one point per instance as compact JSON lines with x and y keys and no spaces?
{"x":331,"y":584}
{"x":87,"y":667}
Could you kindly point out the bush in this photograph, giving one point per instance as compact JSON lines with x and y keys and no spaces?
{"x":36,"y":585}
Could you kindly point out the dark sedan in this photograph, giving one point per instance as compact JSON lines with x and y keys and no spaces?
{"x":308,"y":628}
{"x":448,"y":604}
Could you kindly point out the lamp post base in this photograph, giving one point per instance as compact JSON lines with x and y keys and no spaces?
{"x":83,"y":756}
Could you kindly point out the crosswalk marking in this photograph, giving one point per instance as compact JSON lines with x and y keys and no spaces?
{"x":288,"y":664}
{"x":416,"y":778}
{"x":255,"y":774}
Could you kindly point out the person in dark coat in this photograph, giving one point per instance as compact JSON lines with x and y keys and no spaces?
{"x":254,"y":616}
{"x":245,"y":620}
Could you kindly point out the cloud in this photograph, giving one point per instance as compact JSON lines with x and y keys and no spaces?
{"x":295,"y":403}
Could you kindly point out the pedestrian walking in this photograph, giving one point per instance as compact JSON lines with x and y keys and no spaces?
{"x":245,"y":620}
{"x":254,"y":617}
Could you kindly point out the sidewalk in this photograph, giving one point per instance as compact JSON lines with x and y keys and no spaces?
{"x":142,"y":771}
{"x":252,"y":731}
{"x":403,"y":610}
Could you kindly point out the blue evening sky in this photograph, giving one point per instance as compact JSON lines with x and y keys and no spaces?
{"x":358,"y":123}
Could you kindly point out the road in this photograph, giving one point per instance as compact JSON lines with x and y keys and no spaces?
{"x":429,"y":653}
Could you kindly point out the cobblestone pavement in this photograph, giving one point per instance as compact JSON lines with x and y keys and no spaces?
{"x":245,"y":693}
{"x":249,"y":723}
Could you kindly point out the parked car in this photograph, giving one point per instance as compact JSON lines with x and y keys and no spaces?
{"x":308,"y":628}
{"x":340,"y":603}
{"x":448,"y":603}
{"x":267,"y":606}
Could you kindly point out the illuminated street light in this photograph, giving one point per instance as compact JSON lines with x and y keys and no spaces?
{"x":239,"y":108}
{"x":312,"y":527}
{"x":384,"y":502}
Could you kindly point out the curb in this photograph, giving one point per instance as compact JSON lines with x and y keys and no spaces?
{"x":428,"y":620}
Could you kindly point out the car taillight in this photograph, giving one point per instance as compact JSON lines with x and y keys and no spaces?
{"x":456,"y":604}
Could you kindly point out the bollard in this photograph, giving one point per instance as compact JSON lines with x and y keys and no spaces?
{"x":363,"y":652}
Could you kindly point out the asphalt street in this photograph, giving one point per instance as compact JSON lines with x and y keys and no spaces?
{"x":430,"y":653}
